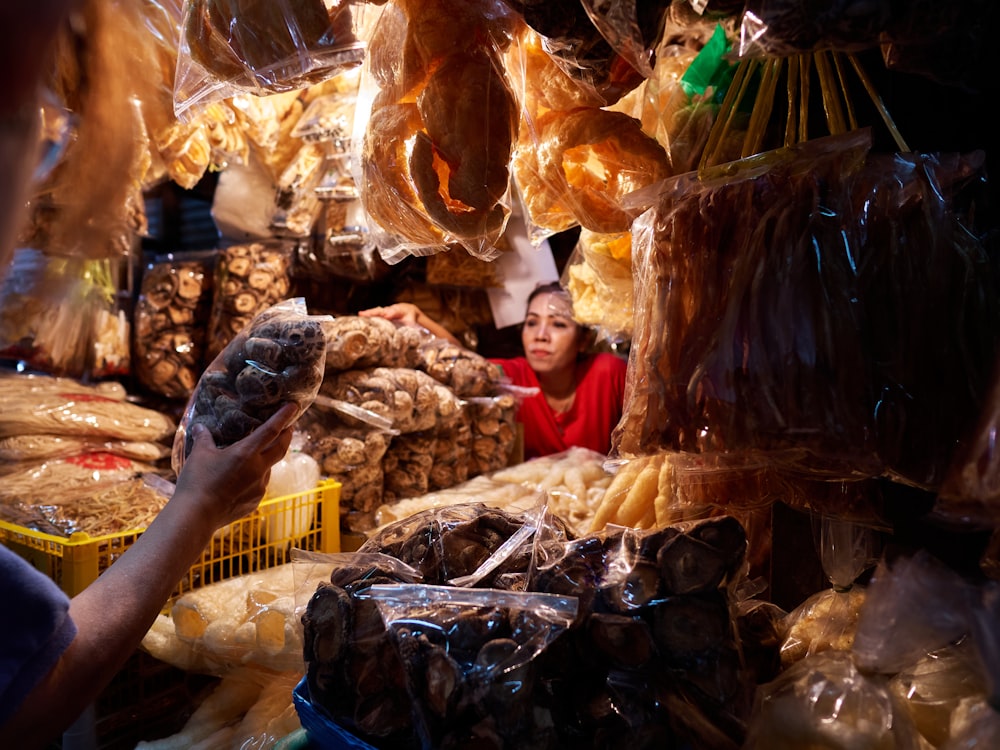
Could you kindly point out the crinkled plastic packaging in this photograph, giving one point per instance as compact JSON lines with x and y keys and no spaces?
{"x":278,"y":358}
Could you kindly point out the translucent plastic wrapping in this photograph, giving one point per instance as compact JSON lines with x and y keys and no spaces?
{"x":681,"y":99}
{"x":356,"y":342}
{"x":743,"y":341}
{"x":97,"y":496}
{"x":249,"y":620}
{"x":580,"y":49}
{"x":469,"y":659}
{"x":632,"y":29}
{"x":909,"y":660}
{"x":62,"y":315}
{"x":248,"y":279}
{"x":77,"y":410}
{"x":42,"y":446}
{"x":341,"y":246}
{"x":970,"y":492}
{"x":785,"y":27}
{"x":654,"y":634}
{"x":825,"y":701}
{"x":575,"y":162}
{"x":976,"y":721}
{"x":598,"y":276}
{"x":171,"y":317}
{"x":571,"y":484}
{"x":647,"y":644}
{"x":465,"y":372}
{"x":54,"y":481}
{"x":278,"y":358}
{"x":790,"y":330}
{"x":441,"y":127}
{"x":915,"y":605}
{"x":229,"y":47}
{"x":924,"y":37}
{"x":349,"y":442}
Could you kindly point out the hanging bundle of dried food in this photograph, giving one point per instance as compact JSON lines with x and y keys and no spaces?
{"x":441,"y":129}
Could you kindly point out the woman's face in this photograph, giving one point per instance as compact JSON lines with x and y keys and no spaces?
{"x":550,"y":336}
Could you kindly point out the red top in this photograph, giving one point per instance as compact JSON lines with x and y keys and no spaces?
{"x":596,"y":409}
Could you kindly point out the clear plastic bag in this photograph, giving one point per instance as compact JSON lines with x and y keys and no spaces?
{"x":229,"y":47}
{"x":171,"y":316}
{"x":442,"y":121}
{"x":469,"y":659}
{"x":824,"y":700}
{"x":278,"y":358}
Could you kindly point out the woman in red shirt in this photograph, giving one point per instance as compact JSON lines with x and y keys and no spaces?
{"x":580,"y":395}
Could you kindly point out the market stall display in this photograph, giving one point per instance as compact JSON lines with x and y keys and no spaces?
{"x":808,"y":306}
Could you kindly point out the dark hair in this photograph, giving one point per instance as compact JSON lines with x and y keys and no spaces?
{"x":546,"y":287}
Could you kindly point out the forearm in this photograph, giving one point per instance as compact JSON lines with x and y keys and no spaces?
{"x":112,"y":616}
{"x":425,"y":321}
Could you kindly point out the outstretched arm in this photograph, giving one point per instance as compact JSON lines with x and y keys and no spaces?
{"x":215,"y":487}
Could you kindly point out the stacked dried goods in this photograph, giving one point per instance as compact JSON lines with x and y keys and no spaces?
{"x":402,"y":413}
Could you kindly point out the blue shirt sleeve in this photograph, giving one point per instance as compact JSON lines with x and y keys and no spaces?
{"x":34,"y":632}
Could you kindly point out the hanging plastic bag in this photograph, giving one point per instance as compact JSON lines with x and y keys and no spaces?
{"x":229,"y":47}
{"x":575,"y":162}
{"x":441,"y":127}
{"x":729,"y":353}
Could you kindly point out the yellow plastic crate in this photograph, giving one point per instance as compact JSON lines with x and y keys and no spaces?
{"x":306,"y":520}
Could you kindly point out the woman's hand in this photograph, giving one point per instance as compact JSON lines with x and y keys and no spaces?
{"x":405,"y":312}
{"x":408,"y":314}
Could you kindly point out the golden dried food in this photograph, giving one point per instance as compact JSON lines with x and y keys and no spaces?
{"x":442,"y":126}
{"x":583,"y":162}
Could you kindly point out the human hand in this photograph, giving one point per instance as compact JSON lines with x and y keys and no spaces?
{"x":405,"y":312}
{"x":229,"y":482}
